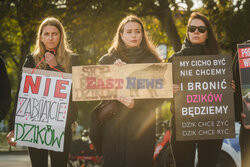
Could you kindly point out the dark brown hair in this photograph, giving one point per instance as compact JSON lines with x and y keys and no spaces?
{"x":145,"y":43}
{"x":211,"y":41}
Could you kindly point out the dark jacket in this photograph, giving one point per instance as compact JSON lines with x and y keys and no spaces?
{"x":238,"y":107}
{"x":129,"y":137}
{"x":72,"y":112}
{"x":5,"y":91}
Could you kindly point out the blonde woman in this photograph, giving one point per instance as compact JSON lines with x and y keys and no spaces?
{"x":52,"y":45}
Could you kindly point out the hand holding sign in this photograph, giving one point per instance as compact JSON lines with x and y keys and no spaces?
{"x":119,"y":63}
{"x":176,"y":88}
{"x":10,"y":138}
{"x":233,"y":85}
{"x":243,"y":116}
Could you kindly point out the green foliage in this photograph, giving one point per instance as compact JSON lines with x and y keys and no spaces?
{"x":91,"y":26}
{"x":166,"y":112}
{"x":231,"y":21}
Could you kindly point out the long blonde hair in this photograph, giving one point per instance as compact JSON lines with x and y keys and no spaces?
{"x":62,"y":51}
{"x":145,"y":43}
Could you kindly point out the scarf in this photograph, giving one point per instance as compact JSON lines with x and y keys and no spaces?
{"x":189,"y":49}
{"x":132,"y":55}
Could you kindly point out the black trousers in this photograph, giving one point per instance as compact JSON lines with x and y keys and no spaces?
{"x":184,"y":152}
{"x":39,"y":157}
{"x":245,"y":147}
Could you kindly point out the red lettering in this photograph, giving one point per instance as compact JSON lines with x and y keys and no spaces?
{"x":29,"y":83}
{"x":47,"y":85}
{"x":59,"y":87}
{"x":245,"y":52}
{"x":109,"y":83}
{"x":91,"y":83}
{"x":119,"y":81}
{"x":100,"y":84}
{"x":244,"y":63}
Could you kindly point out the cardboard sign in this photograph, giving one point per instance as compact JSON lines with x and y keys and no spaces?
{"x":204,"y":106}
{"x":42,"y":109}
{"x":244,"y":65}
{"x":107,"y":82}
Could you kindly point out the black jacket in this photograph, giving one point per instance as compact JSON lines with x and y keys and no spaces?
{"x":5,"y":91}
{"x":72,"y":112}
{"x":129,"y":137}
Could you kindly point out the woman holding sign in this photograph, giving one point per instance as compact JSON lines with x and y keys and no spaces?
{"x":242,"y":106}
{"x":129,"y":136}
{"x":200,"y":40}
{"x":51,"y":53}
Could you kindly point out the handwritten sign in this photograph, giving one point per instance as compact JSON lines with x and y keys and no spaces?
{"x":107,"y":82}
{"x":244,"y":65}
{"x":42,"y":109}
{"x":204,"y":106}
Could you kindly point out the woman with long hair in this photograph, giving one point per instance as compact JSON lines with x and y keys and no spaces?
{"x":200,"y":40}
{"x":52,"y":47}
{"x":129,"y":137}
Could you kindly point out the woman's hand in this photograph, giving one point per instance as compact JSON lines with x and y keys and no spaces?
{"x":176,"y":88}
{"x":233,"y":85}
{"x":127,"y":101}
{"x":119,"y":63}
{"x":50,"y":59}
{"x":243,"y":117}
{"x":10,"y":138}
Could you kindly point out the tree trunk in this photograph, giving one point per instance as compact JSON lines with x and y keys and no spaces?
{"x":168,"y":25}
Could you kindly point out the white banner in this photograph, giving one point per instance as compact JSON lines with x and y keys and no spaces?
{"x":42,"y":109}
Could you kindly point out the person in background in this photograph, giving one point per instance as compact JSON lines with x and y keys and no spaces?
{"x":240,"y":115}
{"x":129,"y":137}
{"x":52,"y":44}
{"x":200,"y":40}
{"x":5,"y":91}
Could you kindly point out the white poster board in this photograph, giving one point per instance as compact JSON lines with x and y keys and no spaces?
{"x":42,"y":107}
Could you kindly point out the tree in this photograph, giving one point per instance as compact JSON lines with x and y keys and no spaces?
{"x":19,"y":21}
{"x":91,"y":25}
{"x":231,"y":20}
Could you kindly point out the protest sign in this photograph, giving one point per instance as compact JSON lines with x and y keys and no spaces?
{"x":107,"y":82}
{"x":42,"y":109}
{"x":244,"y":65}
{"x":204,"y":106}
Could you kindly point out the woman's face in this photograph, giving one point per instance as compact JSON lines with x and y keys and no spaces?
{"x":197,"y":31}
{"x":132,"y":34}
{"x":50,"y":37}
